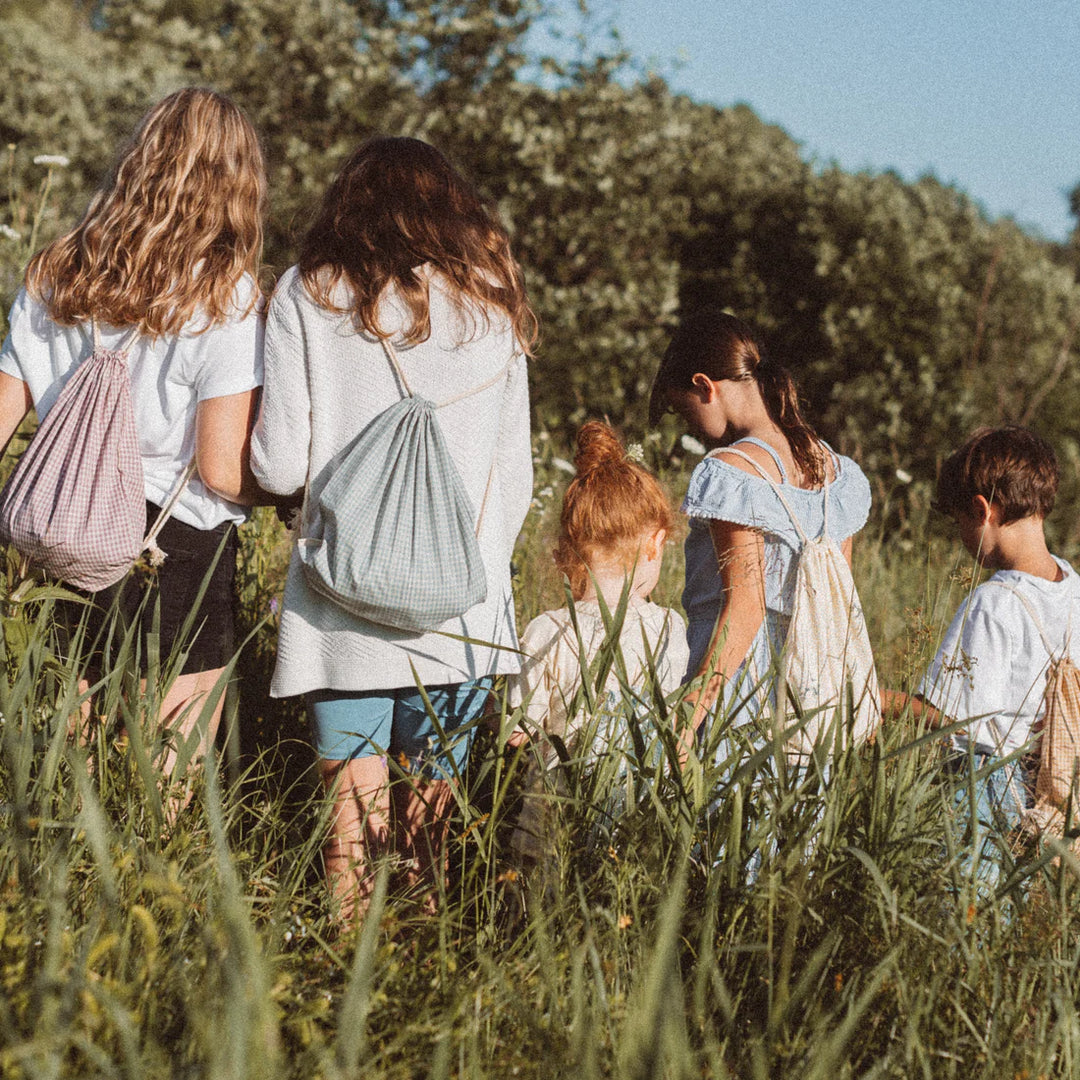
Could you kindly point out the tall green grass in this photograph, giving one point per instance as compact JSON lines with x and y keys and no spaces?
{"x":743,"y":918}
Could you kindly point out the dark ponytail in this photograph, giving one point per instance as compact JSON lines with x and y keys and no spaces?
{"x":723,"y":347}
{"x":782,"y":401}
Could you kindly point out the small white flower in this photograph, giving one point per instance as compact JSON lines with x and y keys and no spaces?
{"x":692,"y":445}
{"x":288,"y":936}
{"x":543,"y":436}
{"x":58,"y":160}
{"x":546,"y":492}
{"x":636,"y":452}
{"x":903,"y":476}
{"x":9,"y":233}
{"x":564,"y":465}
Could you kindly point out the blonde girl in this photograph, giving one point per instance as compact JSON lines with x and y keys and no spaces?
{"x":402,"y":249}
{"x":615,"y":521}
{"x":742,"y":546}
{"x":169,"y":247}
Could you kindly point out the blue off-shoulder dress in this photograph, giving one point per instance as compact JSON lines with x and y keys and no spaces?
{"x":720,"y":491}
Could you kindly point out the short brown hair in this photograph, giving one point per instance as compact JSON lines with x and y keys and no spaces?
{"x":1011,"y":467}
{"x":607,"y":507}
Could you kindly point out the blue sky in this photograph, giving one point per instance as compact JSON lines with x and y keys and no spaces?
{"x":985,"y":95}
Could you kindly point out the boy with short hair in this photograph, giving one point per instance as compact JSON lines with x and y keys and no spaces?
{"x":991,"y":667}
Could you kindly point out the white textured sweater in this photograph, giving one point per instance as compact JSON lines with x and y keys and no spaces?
{"x":324,"y":382}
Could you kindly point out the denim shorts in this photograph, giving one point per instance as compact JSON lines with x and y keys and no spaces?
{"x":363,"y":723}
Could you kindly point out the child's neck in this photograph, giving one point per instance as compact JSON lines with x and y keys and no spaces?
{"x":1021,"y":545}
{"x":610,"y":585}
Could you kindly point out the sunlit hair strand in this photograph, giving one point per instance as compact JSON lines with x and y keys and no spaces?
{"x":396,"y":206}
{"x":169,"y":237}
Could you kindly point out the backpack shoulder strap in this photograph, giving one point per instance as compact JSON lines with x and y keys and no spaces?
{"x":775,"y":486}
{"x":1029,"y":607}
{"x":395,"y":363}
{"x":391,"y":355}
{"x":125,"y":342}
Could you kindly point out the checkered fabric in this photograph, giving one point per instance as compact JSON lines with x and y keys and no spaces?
{"x":1059,"y":743}
{"x":398,"y":544}
{"x":1059,"y":748}
{"x":75,"y":504}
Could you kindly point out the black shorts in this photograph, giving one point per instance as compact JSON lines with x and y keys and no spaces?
{"x":174,"y":586}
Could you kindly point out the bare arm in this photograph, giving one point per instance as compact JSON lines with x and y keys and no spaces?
{"x":895,"y":702}
{"x":223,"y":445}
{"x":15,"y":403}
{"x":740,"y":559}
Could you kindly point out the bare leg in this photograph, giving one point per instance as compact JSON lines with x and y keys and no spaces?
{"x":422,"y":811}
{"x":181,"y":711}
{"x":359,"y":831}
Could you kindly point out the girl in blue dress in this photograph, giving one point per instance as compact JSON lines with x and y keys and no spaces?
{"x":742,"y":545}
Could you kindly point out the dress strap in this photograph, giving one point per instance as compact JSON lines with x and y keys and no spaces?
{"x":769,"y":450}
{"x":776,"y":487}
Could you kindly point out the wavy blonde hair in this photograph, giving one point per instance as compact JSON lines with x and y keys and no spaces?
{"x":396,"y":205}
{"x":172,"y":232}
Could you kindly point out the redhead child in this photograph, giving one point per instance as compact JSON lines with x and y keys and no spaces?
{"x":765,"y":465}
{"x":990,"y":670}
{"x":615,"y":521}
{"x":169,"y":250}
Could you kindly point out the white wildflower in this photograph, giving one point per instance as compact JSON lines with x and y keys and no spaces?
{"x":9,"y":233}
{"x":636,"y":452}
{"x":692,"y":445}
{"x":546,"y":492}
{"x":903,"y":476}
{"x":58,"y":160}
{"x":564,"y":465}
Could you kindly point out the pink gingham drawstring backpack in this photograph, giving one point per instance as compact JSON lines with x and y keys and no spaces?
{"x":75,"y":504}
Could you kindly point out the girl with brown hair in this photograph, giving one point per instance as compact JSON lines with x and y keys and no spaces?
{"x":403,"y":261}
{"x":615,"y":522}
{"x":169,"y":250}
{"x":742,"y":547}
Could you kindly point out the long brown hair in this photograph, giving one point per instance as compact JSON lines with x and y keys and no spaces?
{"x":172,"y":232}
{"x":609,"y":505}
{"x":723,"y":347}
{"x":396,"y":205}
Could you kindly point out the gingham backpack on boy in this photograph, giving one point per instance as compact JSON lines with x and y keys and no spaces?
{"x":827,"y":661}
{"x":399,"y":539}
{"x":75,"y":506}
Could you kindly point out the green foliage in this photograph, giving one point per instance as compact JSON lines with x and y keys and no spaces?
{"x":908,"y":317}
{"x":740,"y":919}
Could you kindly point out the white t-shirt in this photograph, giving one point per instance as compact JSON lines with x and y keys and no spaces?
{"x":992,"y":664}
{"x":550,"y":674}
{"x":550,"y":678}
{"x":169,"y":377}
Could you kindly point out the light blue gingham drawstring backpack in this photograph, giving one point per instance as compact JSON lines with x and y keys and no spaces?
{"x":399,"y":536}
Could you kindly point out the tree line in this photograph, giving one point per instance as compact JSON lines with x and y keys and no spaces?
{"x":908,"y":315}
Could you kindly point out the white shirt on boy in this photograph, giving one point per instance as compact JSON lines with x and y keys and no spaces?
{"x":991,"y":666}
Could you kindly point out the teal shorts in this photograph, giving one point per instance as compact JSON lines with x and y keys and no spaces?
{"x":396,"y":723}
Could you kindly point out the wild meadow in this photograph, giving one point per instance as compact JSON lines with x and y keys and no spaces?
{"x":740,"y":918}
